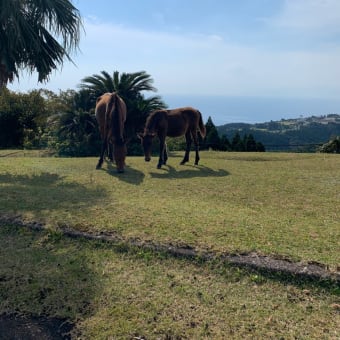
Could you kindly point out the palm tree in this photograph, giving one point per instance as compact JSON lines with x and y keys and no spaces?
{"x":36,"y":35}
{"x":77,"y":133}
{"x":130,"y":86}
{"x":126,"y":84}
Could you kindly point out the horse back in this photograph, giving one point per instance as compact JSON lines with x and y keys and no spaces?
{"x":104,"y":117}
{"x":181,"y":120}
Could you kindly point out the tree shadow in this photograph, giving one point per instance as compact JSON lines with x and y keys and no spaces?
{"x":262,"y":157}
{"x":189,"y":171}
{"x":45,"y":191}
{"x":130,"y":175}
{"x":46,"y":280}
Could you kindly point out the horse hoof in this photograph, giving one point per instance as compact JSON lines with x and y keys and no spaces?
{"x":159,"y":166}
{"x":120,"y":171}
{"x":98,"y":167}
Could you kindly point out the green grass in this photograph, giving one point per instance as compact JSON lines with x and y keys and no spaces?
{"x":115,"y":292}
{"x":271,"y":203}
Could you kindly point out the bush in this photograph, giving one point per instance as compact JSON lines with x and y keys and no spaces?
{"x":333,"y":146}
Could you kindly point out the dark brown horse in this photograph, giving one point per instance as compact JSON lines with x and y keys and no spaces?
{"x":173,"y":123}
{"x":111,"y":116}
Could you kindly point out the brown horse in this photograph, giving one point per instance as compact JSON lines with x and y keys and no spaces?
{"x":111,"y":116}
{"x":173,"y":123}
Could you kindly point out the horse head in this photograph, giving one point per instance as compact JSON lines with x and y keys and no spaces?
{"x":120,"y":152}
{"x":146,"y":141}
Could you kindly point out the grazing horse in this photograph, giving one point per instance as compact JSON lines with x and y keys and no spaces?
{"x":173,"y":123}
{"x":111,"y":116}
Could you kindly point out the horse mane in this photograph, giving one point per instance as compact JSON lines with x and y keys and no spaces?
{"x":152,"y":120}
{"x":149,"y":122}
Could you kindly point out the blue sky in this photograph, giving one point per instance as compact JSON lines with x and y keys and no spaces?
{"x":244,"y":60}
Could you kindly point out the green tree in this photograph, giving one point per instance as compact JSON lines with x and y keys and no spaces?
{"x":126,"y":84}
{"x":249,"y":143}
{"x":212,"y":139}
{"x":23,"y":118}
{"x":333,"y":146}
{"x":237,"y":143}
{"x":36,"y":35}
{"x":75,"y":134}
{"x":260,"y":147}
{"x":130,"y":86}
{"x":225,"y":143}
{"x":71,"y":127}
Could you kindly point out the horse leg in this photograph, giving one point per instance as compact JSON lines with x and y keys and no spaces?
{"x":197,"y":157}
{"x":102,"y":153}
{"x":161,"y":152}
{"x":188,"y":147}
{"x":165,"y":155}
{"x":110,"y":151}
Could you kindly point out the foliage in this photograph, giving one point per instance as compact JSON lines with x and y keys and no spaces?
{"x":212,"y":139}
{"x":36,"y":35}
{"x":65,"y":121}
{"x":77,"y":134}
{"x":215,"y":142}
{"x":301,"y":134}
{"x":333,"y":146}
{"x":237,"y":143}
{"x":23,"y":117}
{"x":131,"y":87}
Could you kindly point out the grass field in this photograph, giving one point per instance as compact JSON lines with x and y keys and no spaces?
{"x":278,"y":204}
{"x":116,"y":292}
{"x":272,"y":203}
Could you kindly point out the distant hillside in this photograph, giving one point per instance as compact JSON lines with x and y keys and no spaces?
{"x":300,"y":134}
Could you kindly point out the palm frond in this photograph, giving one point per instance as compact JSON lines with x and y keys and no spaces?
{"x":37,"y":35}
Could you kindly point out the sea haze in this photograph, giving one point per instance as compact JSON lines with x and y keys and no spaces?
{"x":224,"y":110}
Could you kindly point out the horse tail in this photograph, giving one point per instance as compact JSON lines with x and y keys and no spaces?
{"x":201,"y":125}
{"x":116,"y":121}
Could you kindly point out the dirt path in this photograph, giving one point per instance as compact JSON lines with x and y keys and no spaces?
{"x":310,"y":270}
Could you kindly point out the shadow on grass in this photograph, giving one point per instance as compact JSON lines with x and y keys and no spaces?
{"x":258,"y":157}
{"x":130,"y":175}
{"x":44,"y":279}
{"x":188,"y":171}
{"x":47,"y":191}
{"x":47,"y":274}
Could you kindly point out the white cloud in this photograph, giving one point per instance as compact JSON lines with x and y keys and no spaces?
{"x":202,"y":64}
{"x":313,"y":15}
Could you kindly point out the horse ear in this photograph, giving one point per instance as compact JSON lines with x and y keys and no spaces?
{"x":140,"y":135}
